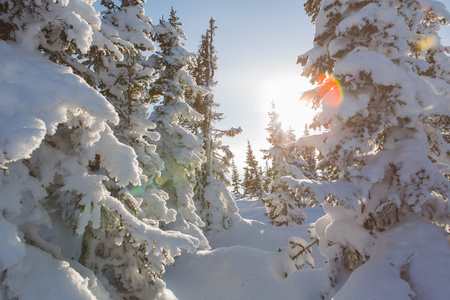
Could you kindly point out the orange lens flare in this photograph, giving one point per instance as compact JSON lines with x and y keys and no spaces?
{"x":330,"y":90}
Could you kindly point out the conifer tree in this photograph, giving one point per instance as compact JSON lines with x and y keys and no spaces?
{"x":125,"y":83}
{"x":61,"y":40}
{"x":216,"y":205}
{"x":291,"y":137}
{"x":123,"y":75}
{"x":276,"y":137}
{"x":246,"y":181}
{"x":235,"y":179}
{"x":308,"y":161}
{"x":282,"y":207}
{"x":180,"y":150}
{"x":252,"y":183}
{"x":275,"y":134}
{"x":267,"y":177}
{"x":383,"y":102}
{"x":260,"y":178}
{"x":90,"y":158}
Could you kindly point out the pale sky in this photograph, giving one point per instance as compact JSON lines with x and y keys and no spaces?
{"x":257,"y":43}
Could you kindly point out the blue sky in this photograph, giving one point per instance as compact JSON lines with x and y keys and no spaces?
{"x":258,"y":42}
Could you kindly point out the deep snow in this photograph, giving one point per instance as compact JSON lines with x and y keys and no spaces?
{"x":248,"y":261}
{"x":251,"y":261}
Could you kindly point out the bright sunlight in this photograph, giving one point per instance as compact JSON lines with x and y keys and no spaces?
{"x":285,"y":89}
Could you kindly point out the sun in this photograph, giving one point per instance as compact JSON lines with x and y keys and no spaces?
{"x":285,"y":90}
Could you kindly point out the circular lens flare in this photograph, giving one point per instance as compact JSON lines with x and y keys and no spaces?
{"x":160,"y":180}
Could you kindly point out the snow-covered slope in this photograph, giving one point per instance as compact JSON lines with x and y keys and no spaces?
{"x":248,"y":261}
{"x":251,"y":261}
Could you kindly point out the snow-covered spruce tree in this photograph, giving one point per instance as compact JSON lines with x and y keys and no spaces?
{"x":308,"y":159}
{"x":180,"y":150}
{"x":252,"y":183}
{"x":383,"y":96}
{"x":282,"y":207}
{"x":123,"y":75}
{"x":213,"y":200}
{"x":61,"y":169}
{"x":235,"y":178}
{"x":60,"y":39}
{"x":267,"y":176}
{"x":127,"y":88}
{"x":246,"y":181}
{"x":305,"y":160}
{"x":53,"y":125}
{"x":276,"y":136}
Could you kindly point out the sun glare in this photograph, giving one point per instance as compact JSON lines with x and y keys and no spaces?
{"x":285,"y":91}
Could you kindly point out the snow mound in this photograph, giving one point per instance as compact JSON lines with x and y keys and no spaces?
{"x":412,"y":260}
{"x":250,"y":260}
{"x":38,"y":273}
{"x":240,"y":272}
{"x":27,"y":114}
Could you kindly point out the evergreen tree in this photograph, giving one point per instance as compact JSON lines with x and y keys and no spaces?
{"x":125,"y":83}
{"x":260,"y":178}
{"x":291,"y":137}
{"x":252,"y":183}
{"x":383,"y":171}
{"x":275,"y":136}
{"x":59,"y":38}
{"x":267,"y":177}
{"x":246,"y":182}
{"x":123,"y":75}
{"x":95,"y":167}
{"x":180,"y":150}
{"x":308,"y":159}
{"x":236,"y":181}
{"x":282,"y":207}
{"x":215,"y":203}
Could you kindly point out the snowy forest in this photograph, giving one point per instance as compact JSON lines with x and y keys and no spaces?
{"x":115,"y":182}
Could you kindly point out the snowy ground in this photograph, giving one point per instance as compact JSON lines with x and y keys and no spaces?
{"x":249,"y":261}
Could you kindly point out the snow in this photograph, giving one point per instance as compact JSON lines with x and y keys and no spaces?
{"x":51,"y":92}
{"x":422,"y":260}
{"x":38,"y":273}
{"x":248,"y":261}
{"x":251,"y":261}
{"x":12,"y":249}
{"x":119,"y":159}
{"x":350,"y":232}
{"x":372,"y":14}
